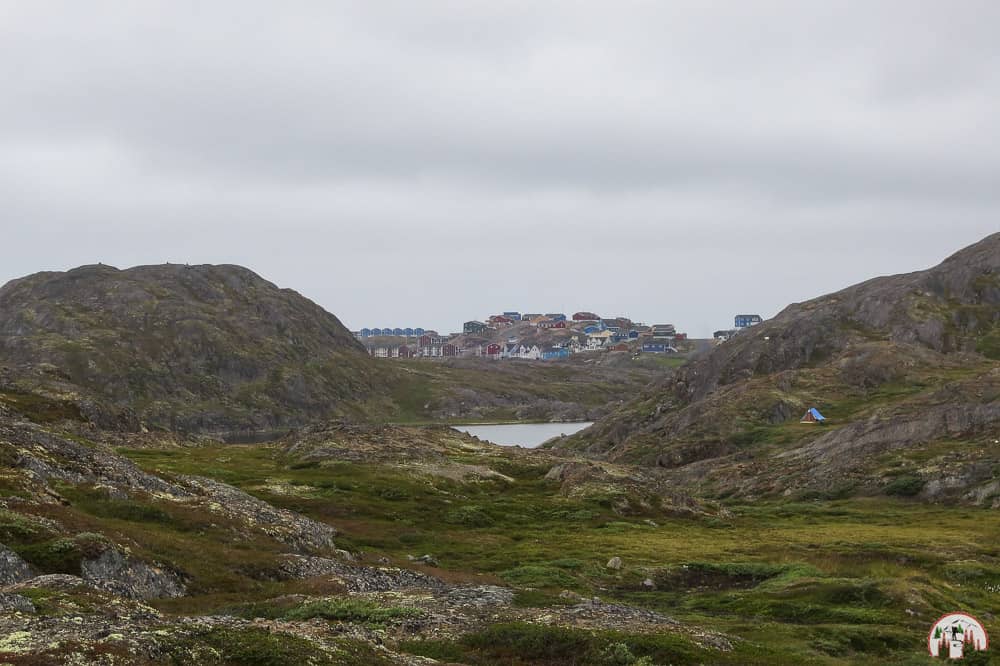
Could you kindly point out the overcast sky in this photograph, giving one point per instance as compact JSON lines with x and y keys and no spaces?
{"x":423,"y":163}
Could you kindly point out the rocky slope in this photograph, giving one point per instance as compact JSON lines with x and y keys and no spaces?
{"x":895,"y":363}
{"x":198,"y":348}
{"x":104,"y":562}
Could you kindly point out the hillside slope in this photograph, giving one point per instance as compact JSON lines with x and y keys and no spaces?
{"x":897,"y":363}
{"x":208,"y":348}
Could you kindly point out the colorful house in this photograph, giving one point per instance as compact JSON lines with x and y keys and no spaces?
{"x":473,"y":327}
{"x":747,"y":320}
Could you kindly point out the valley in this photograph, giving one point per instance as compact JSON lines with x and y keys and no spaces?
{"x":699,"y":520}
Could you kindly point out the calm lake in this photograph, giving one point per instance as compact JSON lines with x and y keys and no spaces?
{"x":528,"y":435}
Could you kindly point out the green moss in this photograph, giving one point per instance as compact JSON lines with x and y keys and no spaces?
{"x":335,"y":609}
{"x":63,"y":555}
{"x":41,"y":409}
{"x":251,"y":647}
{"x":989,"y":345}
{"x":469,"y":516}
{"x":350,"y":610}
{"x":905,"y":486}
{"x":523,"y":643}
{"x":535,"y":575}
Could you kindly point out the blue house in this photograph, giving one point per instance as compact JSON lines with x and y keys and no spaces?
{"x":397,"y":331}
{"x":366,"y":332}
{"x":747,"y":320}
{"x":516,"y":316}
{"x":633,"y":335}
{"x":408,"y":332}
{"x":418,"y":331}
{"x":592,"y":329}
{"x":554,"y":353}
{"x":654,"y":347}
{"x":556,"y":316}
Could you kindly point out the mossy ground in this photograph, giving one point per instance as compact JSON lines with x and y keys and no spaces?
{"x":823,"y":581}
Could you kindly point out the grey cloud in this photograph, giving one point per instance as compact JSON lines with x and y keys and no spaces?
{"x":689,"y":148}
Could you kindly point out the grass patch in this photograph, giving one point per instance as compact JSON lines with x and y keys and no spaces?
{"x":518,"y":643}
{"x":905,"y":486}
{"x":335,"y":609}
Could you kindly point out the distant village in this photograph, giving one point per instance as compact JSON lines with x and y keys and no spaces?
{"x":542,"y":337}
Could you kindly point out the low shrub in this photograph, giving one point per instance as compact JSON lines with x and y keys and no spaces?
{"x":905,"y":486}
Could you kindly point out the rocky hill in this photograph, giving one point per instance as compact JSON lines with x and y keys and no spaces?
{"x":896,"y":363}
{"x":201,"y":348}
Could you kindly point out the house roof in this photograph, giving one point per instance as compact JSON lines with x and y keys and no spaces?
{"x":816,"y":415}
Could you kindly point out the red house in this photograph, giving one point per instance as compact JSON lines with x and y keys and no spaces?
{"x":585,"y":316}
{"x":449,"y":350}
{"x":405,"y":352}
{"x":494,"y":350}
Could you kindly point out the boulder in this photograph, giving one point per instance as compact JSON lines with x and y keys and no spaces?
{"x":12,"y":568}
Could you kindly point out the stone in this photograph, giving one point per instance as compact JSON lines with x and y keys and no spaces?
{"x":130,"y":578}
{"x":614,"y":563}
{"x":12,"y":568}
{"x":10,"y":602}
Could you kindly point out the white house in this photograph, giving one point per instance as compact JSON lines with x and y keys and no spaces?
{"x":532,"y":353}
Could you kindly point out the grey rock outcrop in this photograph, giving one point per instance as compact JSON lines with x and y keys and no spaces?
{"x":356,"y":578}
{"x":285,"y":526}
{"x":13,"y":569}
{"x":127,"y":577}
{"x":15,"y":603}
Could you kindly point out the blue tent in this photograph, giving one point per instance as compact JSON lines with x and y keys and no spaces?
{"x":813,"y":416}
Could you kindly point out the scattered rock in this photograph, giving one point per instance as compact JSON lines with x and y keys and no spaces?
{"x":615,"y":563}
{"x":10,"y":602}
{"x":59,"y":582}
{"x":427,"y":559}
{"x":356,"y":578}
{"x":481,"y":596}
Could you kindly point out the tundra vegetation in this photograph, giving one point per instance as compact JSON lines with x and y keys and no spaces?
{"x":699,"y":523}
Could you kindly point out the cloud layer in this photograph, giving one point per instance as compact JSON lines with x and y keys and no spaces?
{"x":423,"y":163}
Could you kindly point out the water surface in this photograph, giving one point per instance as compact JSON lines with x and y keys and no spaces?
{"x":528,"y":435}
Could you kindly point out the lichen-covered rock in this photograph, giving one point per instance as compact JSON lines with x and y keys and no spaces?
{"x":356,"y":578}
{"x":47,"y":456}
{"x":13,"y":569}
{"x":480,"y":596}
{"x":17,"y":603}
{"x":130,"y":578}
{"x":282,"y":525}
